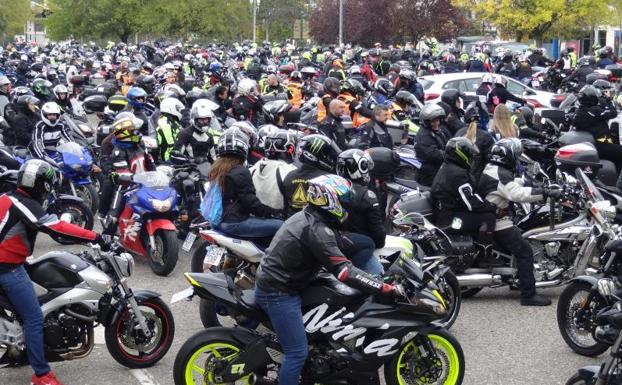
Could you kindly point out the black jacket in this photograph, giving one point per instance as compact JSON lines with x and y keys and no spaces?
{"x":594,"y":119}
{"x":195,"y":145}
{"x":453,"y":190}
{"x":301,"y":247}
{"x":430,"y":150}
{"x":375,"y":134}
{"x":580,"y":74}
{"x":294,"y":188}
{"x":332,"y":127}
{"x":499,"y":95}
{"x":365,"y":216}
{"x":239,"y":199}
{"x":247,"y":108}
{"x":21,"y":129}
{"x":484,"y":142}
{"x":453,"y":123}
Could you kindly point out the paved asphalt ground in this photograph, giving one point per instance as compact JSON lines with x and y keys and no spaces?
{"x":504,"y":343}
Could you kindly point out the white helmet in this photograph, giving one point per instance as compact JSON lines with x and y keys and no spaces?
{"x":172,"y":107}
{"x":4,"y":81}
{"x":60,"y":89}
{"x":488,"y":78}
{"x":500,"y":80}
{"x":50,"y":108}
{"x":202,"y":109}
{"x":247,"y":87}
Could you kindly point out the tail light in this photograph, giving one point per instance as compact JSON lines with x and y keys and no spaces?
{"x":534,"y":103}
{"x":430,"y":96}
{"x":559,"y":98}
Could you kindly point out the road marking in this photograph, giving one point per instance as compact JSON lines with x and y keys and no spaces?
{"x":143,"y":377}
{"x":99,"y":335}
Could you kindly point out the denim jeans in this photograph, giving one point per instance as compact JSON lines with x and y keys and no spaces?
{"x":253,"y":227}
{"x":285,"y":313}
{"x":361,"y":253}
{"x":18,"y":288}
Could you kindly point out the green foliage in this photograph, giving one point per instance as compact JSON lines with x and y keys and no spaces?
{"x":13,"y":16}
{"x":277,"y":17}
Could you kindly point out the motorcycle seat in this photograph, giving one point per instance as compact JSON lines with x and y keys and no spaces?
{"x":248,"y":298}
{"x":261,"y":242}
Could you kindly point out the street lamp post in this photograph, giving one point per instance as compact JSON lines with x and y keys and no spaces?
{"x":340,"y":22}
{"x":254,"y":21}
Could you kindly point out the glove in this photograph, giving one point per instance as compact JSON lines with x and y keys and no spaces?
{"x":553,"y":191}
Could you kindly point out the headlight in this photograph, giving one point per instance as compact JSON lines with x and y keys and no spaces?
{"x":162,"y":205}
{"x":76,"y":166}
{"x":125,"y":263}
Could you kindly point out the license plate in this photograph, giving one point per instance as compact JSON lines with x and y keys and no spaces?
{"x":540,"y":78}
{"x":535,"y":83}
{"x":186,"y":293}
{"x":213,"y":256}
{"x":189,"y":241}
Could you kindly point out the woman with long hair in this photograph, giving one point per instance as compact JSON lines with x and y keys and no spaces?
{"x":502,"y":123}
{"x":477,"y":133}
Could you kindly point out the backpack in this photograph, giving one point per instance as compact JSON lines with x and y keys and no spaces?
{"x":211,"y":205}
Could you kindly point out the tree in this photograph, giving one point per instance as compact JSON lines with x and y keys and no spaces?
{"x":279,"y":16}
{"x":13,"y":16}
{"x":537,"y":19}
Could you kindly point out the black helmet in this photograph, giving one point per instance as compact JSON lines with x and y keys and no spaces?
{"x":333,"y":85}
{"x":430,"y":112}
{"x":24,"y":100}
{"x":471,"y":113}
{"x":587,"y":61}
{"x":194,"y":95}
{"x":384,"y":86}
{"x":232,"y":143}
{"x":352,"y":86}
{"x":451,"y":97}
{"x":527,"y":113}
{"x":280,"y":144}
{"x":272,"y":110}
{"x":36,"y":178}
{"x":355,"y":165}
{"x":117,"y":103}
{"x":405,"y":97}
{"x":408,"y":74}
{"x":506,"y":152}
{"x":386,"y":161}
{"x":588,"y":96}
{"x":147,"y":83}
{"x":461,"y":151}
{"x":318,"y":151}
{"x":602,"y":84}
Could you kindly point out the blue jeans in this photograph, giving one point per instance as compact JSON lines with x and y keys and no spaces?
{"x":361,"y":253}
{"x":18,"y":288}
{"x":285,"y":313}
{"x":253,"y":227}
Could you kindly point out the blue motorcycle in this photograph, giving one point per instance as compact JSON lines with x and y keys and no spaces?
{"x":76,"y":164}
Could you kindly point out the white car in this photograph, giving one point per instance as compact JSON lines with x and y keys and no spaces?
{"x":468,"y":83}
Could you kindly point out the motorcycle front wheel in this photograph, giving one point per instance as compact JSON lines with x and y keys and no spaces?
{"x":130,"y":347}
{"x":450,"y":291}
{"x":89,"y":195}
{"x":163,"y":259}
{"x":577,"y":380}
{"x":577,"y":328}
{"x":434,"y":358}
{"x":79,"y":214}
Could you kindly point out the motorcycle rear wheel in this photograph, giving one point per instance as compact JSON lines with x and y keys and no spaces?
{"x":450,"y":291}
{"x":163,"y":260}
{"x":208,"y":310}
{"x":576,"y":380}
{"x":81,"y":215}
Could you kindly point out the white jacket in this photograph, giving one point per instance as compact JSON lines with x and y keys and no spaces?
{"x":265,"y":174}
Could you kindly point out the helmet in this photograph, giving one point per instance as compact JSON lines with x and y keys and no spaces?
{"x":527,"y":113}
{"x":247,"y":129}
{"x":355,"y":165}
{"x":405,"y":97}
{"x":430,"y":112}
{"x":355,"y":70}
{"x":295,"y":75}
{"x":352,"y":86}
{"x":588,"y":96}
{"x":36,"y":178}
{"x":50,"y":113}
{"x":308,"y":71}
{"x":384,"y":86}
{"x":24,"y":100}
{"x":326,"y":193}
{"x":564,"y":52}
{"x":500,"y":80}
{"x":126,"y":127}
{"x":203,"y":111}
{"x":272,"y":110}
{"x":586,"y":61}
{"x":4,"y":80}
{"x":408,"y":74}
{"x":333,"y":85}
{"x":263,"y":132}
{"x":452,"y":96}
{"x":194,"y":95}
{"x":279,"y":143}
{"x":172,"y":107}
{"x":506,"y":152}
{"x":602,"y":84}
{"x":318,"y":151}
{"x":147,"y":83}
{"x":215,"y":67}
{"x":471,"y":113}
{"x":41,"y":88}
{"x":117,"y":103}
{"x":461,"y":151}
{"x":19,"y":91}
{"x":176,"y":90}
{"x":247,"y":87}
{"x":60,"y":89}
{"x":488,"y":78}
{"x":451,"y":58}
{"x":232,"y":143}
{"x":136,"y":97}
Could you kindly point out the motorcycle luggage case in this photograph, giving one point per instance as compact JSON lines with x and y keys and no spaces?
{"x":616,"y":70}
{"x":95,"y":103}
{"x":607,"y":173}
{"x":557,"y":116}
{"x":575,"y":137}
{"x":386,"y":162}
{"x":415,"y":201}
{"x":581,"y":155}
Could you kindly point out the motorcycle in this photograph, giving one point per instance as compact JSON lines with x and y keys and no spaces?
{"x":189,"y":180}
{"x":146,"y":223}
{"x":563,"y":239}
{"x":76,"y":164}
{"x":79,"y":291}
{"x":351,"y":335}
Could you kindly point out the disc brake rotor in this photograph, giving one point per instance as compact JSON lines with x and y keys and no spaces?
{"x":134,"y":339}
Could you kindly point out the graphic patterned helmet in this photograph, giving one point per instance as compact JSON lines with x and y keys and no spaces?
{"x":280,"y":144}
{"x":318,"y":151}
{"x":506,"y":152}
{"x":127,"y":129}
{"x":233,"y":144}
{"x":355,"y":165}
{"x":461,"y":151}
{"x":326,"y":193}
{"x":36,"y":178}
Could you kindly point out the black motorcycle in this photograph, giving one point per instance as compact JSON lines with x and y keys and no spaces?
{"x":351,"y":336}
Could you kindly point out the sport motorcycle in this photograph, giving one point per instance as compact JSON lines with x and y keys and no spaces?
{"x":77,"y":292}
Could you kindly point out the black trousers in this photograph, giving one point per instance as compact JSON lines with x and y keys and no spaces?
{"x":480,"y":225}
{"x":512,"y":242}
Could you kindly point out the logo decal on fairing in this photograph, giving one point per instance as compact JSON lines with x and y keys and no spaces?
{"x":131,"y":230}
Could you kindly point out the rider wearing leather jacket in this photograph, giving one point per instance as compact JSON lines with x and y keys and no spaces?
{"x":430,"y":142}
{"x":24,"y":218}
{"x":49,"y":133}
{"x":303,"y":245}
{"x":332,"y":126}
{"x":375,"y":132}
{"x":195,"y":142}
{"x":499,"y":186}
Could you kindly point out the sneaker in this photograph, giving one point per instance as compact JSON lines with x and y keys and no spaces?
{"x":535,"y":300}
{"x":48,"y":379}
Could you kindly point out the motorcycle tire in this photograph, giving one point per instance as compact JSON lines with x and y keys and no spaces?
{"x":89,"y":194}
{"x":204,"y":344}
{"x":565,"y":316}
{"x":576,"y":379}
{"x":167,"y":239}
{"x":160,"y":320}
{"x":453,"y":296}
{"x":449,"y":366}
{"x":78,"y":210}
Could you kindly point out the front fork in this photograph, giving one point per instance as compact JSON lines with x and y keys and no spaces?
{"x":141,"y":321}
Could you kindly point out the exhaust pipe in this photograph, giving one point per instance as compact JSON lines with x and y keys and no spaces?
{"x":556,"y":282}
{"x":478,"y":280}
